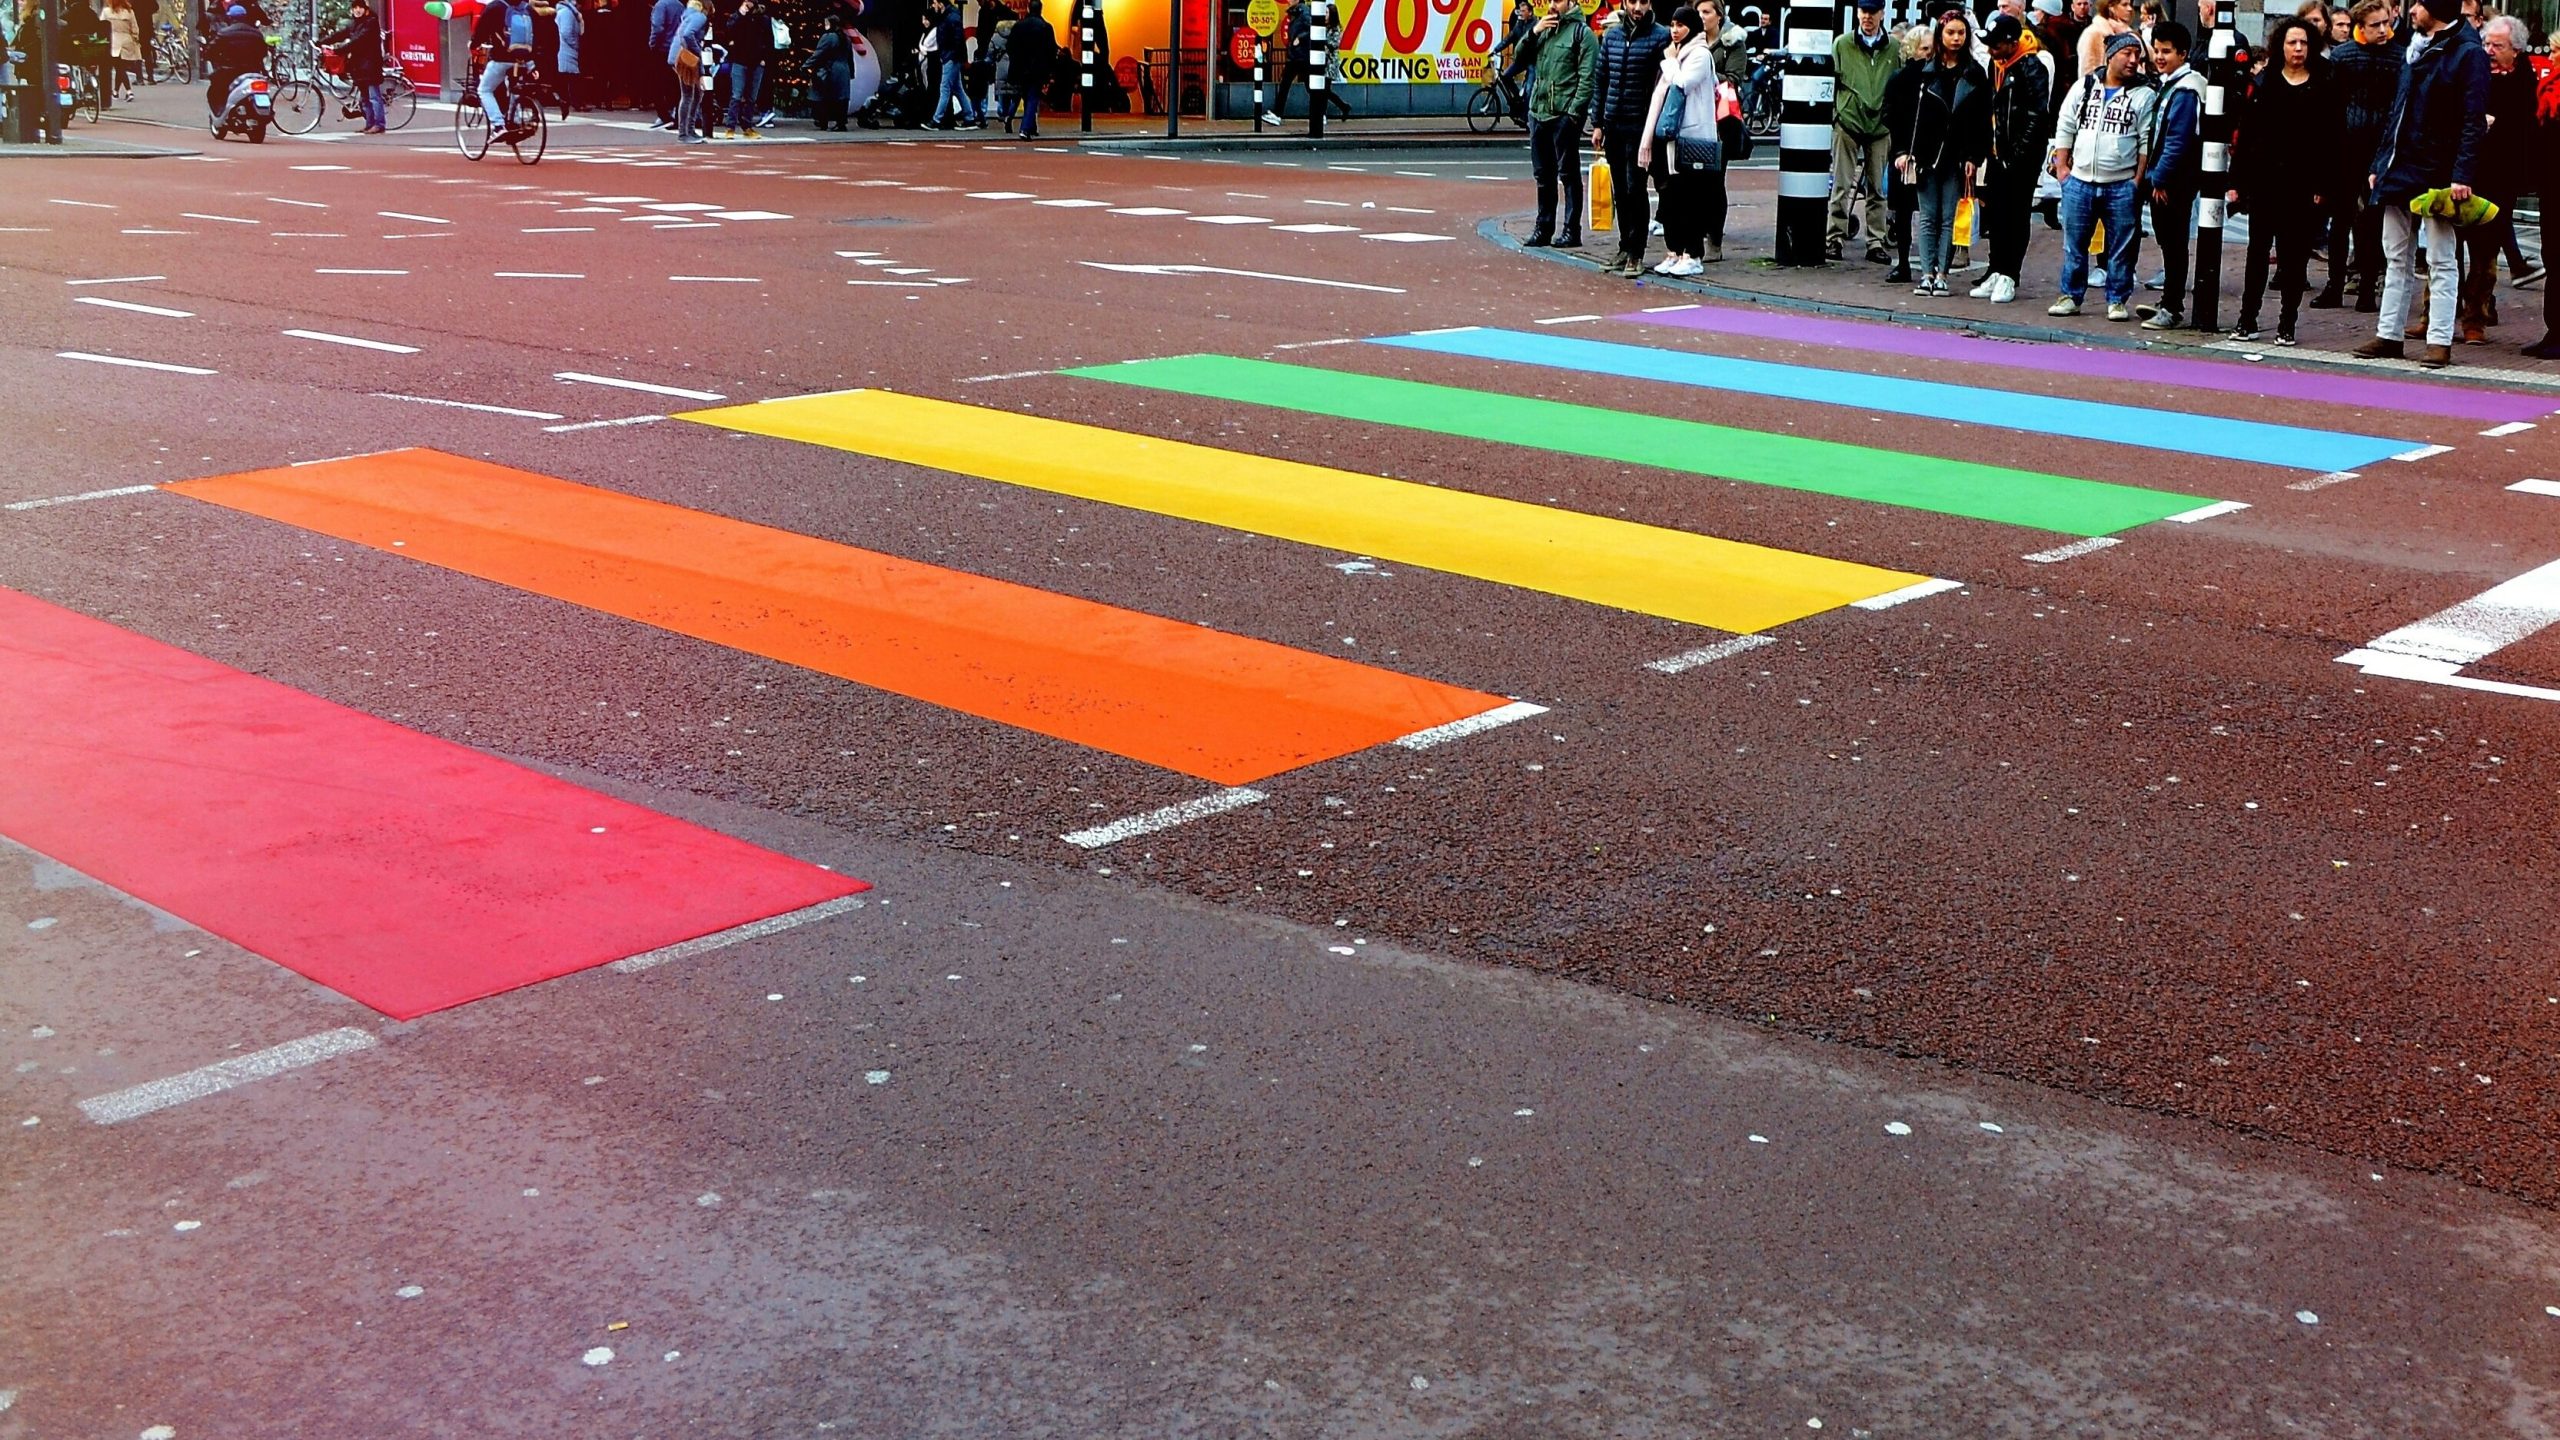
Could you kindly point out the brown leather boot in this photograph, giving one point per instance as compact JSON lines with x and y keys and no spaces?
{"x":2378,"y":348}
{"x":2436,"y":357}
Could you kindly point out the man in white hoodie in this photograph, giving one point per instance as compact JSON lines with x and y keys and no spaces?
{"x":2097,"y":153}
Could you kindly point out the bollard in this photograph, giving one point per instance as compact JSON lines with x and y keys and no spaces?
{"x":2219,"y":80}
{"x":1261,"y":49}
{"x":1319,"y":56}
{"x":1804,"y":129}
{"x":1084,"y":49}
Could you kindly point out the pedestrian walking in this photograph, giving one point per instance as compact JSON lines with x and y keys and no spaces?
{"x":2097,"y":154}
{"x":1862,"y":61}
{"x":2506,"y":163}
{"x":2282,"y":165}
{"x":1299,"y":25}
{"x":1950,"y":135}
{"x":1680,"y":142}
{"x":684,"y":57}
{"x":2021,"y":129}
{"x":2176,"y":170}
{"x":2431,"y":148}
{"x":664,"y":17}
{"x":948,"y":43}
{"x":1562,"y":58}
{"x":571,"y":22}
{"x":2366,"y":71}
{"x":360,"y":39}
{"x":124,"y":48}
{"x":1031,"y":48}
{"x":1630,"y":70}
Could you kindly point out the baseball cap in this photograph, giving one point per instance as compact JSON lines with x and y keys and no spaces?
{"x":1871,"y":4}
{"x":2003,"y":30}
{"x":236,"y":12}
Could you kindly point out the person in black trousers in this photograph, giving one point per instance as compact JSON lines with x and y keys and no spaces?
{"x":2284,"y":166}
{"x":1630,"y":64}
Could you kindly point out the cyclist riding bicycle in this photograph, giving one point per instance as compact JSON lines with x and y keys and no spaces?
{"x":505,"y":32}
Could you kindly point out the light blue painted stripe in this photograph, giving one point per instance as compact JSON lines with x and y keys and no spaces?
{"x":2213,"y":436}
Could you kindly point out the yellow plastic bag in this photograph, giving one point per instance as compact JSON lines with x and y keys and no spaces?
{"x":1964,"y":221}
{"x":1604,"y":200}
{"x":2098,"y":238}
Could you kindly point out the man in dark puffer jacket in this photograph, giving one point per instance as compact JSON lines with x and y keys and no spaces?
{"x":1630,"y":62}
{"x":2367,"y":73}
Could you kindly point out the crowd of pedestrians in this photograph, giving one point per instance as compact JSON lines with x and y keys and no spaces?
{"x":2386,"y":140}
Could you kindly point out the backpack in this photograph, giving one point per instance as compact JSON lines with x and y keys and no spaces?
{"x":519,"y":29}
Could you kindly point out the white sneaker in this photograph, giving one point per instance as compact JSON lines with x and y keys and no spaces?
{"x":2063,"y":305}
{"x":1983,"y":290}
{"x":2119,"y":312}
{"x":2005,"y":291}
{"x":1270,"y":119}
{"x":1689,"y":265}
{"x":1670,"y":266}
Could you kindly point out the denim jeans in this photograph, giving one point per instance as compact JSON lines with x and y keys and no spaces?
{"x":371,"y":98}
{"x":745,"y":83}
{"x":493,"y":75}
{"x":1555,"y":156}
{"x":1935,"y":224}
{"x":955,"y":95}
{"x":2083,"y":206}
{"x":1030,"y":113}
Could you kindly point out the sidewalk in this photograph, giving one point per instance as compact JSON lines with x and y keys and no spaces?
{"x":1855,"y":289}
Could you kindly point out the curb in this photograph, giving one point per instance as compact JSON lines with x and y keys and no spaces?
{"x":102,"y":151}
{"x":1300,"y":142}
{"x":1497,"y":230}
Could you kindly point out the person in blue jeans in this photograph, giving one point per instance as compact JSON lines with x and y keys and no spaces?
{"x":951,"y":54}
{"x":2098,"y":155}
{"x":748,"y":34}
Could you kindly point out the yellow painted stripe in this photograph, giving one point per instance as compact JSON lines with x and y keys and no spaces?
{"x":1644,"y":568}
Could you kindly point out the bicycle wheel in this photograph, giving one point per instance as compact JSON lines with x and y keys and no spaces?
{"x":1484,"y":110}
{"x":399,"y":102}
{"x":298,"y":106}
{"x":534,"y":124}
{"x":470,"y":130}
{"x":84,"y":98}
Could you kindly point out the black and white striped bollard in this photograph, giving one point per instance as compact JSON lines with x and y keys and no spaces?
{"x":2219,"y":77}
{"x":1804,"y":129}
{"x":1084,"y":64}
{"x":1319,"y":58}
{"x":1261,"y":54}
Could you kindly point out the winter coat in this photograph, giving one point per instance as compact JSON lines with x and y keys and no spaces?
{"x":2176,"y":144}
{"x":1561,"y":63}
{"x":2103,"y":135}
{"x":2286,"y":148}
{"x":831,"y":69}
{"x":1630,"y":64}
{"x":749,"y":36}
{"x":362,"y":38}
{"x":664,"y":16}
{"x":1733,"y":56}
{"x":124,"y":35}
{"x":2058,"y":44}
{"x":1857,"y":87}
{"x":1950,"y":119}
{"x":1031,"y":48}
{"x":2021,"y":115}
{"x":2506,"y":154}
{"x":2439,"y":119}
{"x":693,"y":28}
{"x":2367,"y":76}
{"x":573,"y":33}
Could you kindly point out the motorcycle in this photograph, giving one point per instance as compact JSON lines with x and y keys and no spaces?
{"x":249,"y":110}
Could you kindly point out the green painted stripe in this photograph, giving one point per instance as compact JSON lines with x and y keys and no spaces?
{"x":1854,"y":472}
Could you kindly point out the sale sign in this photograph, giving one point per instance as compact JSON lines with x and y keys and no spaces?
{"x":1415,"y":42}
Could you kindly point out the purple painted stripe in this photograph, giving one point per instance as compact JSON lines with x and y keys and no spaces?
{"x":2279,"y":382}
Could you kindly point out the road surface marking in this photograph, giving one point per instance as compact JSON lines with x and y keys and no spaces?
{"x":1316,"y":227}
{"x":359,"y":272}
{"x":1164,"y":819}
{"x":1402,"y":237}
{"x":405,"y":215}
{"x":322,"y":167}
{"x":423,"y":235}
{"x":129,"y":363}
{"x":2437,"y":672}
{"x":558,"y":230}
{"x":1907,"y":594}
{"x":358,"y":342}
{"x":752,"y":930}
{"x":1708,"y":654}
{"x":536,"y":275}
{"x":1146,"y":210}
{"x":305,"y":204}
{"x":468,"y":405}
{"x":1230,"y":219}
{"x":2484,"y":624}
{"x":2074,"y":550}
{"x":1567,"y":319}
{"x":896,"y":284}
{"x":2323,"y":482}
{"x":403,"y":871}
{"x":749,"y":215}
{"x":717,"y":279}
{"x":84,"y":204}
{"x":2208,"y":512}
{"x":153,"y":1095}
{"x":677,"y":205}
{"x":156,"y":232}
{"x":1318,"y":344}
{"x":137,"y":309}
{"x":2512,"y":427}
{"x":1074,"y":204}
{"x":2146,"y":427}
{"x":2537,"y":487}
{"x":1224,"y":708}
{"x":76,"y":499}
{"x":603,"y":424}
{"x":1008,"y":375}
{"x":118,"y":280}
{"x":1333,"y":204}
{"x":1644,"y":568}
{"x":617,"y":383}
{"x":225,"y":219}
{"x":1930,"y":483}
{"x":307,"y":234}
{"x":1243,"y":274}
{"x":1471,"y":725}
{"x":2424,"y":452}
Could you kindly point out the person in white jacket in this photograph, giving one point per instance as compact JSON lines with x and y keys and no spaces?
{"x":1689,"y":163}
{"x":2097,"y":152}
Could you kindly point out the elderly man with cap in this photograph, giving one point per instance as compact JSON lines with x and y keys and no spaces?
{"x":1861,"y":142}
{"x":2098,"y":155}
{"x":2431,"y":146}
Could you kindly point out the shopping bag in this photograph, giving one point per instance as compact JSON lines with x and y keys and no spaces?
{"x":1604,"y":201}
{"x":1964,"y":221}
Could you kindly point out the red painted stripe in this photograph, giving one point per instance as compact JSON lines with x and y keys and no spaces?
{"x":400,"y":870}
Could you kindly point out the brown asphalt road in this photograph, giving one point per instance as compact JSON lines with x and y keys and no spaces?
{"x":1291,"y":1121}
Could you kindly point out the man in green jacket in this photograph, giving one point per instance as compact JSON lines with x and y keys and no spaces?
{"x":1562,"y":58}
{"x":1861,"y":61}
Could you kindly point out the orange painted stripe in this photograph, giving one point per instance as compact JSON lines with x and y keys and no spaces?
{"x":1199,"y":701}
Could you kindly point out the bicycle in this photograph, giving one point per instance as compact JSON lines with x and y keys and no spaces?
{"x":528,"y":126}
{"x":173,"y":56}
{"x":303,"y":101}
{"x":1496,"y":99}
{"x":1760,"y":98}
{"x":84,"y":93}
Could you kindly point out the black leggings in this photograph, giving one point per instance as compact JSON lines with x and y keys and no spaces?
{"x":2291,"y":224}
{"x":1693,"y":206}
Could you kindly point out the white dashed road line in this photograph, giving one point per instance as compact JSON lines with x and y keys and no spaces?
{"x":359,"y":272}
{"x":118,"y":280}
{"x":2075,"y":549}
{"x":357,"y":342}
{"x":469,"y":405}
{"x":139,"y":1100}
{"x":603,"y":424}
{"x":1906,"y":594}
{"x":129,"y":363}
{"x":752,"y":930}
{"x":405,"y":215}
{"x":618,"y":383}
{"x":1165,"y":819}
{"x":2537,"y":487}
{"x":1499,"y":716}
{"x":129,"y":305}
{"x":1708,"y":654}
{"x":76,"y":499}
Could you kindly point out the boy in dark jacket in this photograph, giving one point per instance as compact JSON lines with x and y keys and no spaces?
{"x":2177,"y":168}
{"x":2021,"y":129}
{"x":2431,"y":144}
{"x":1630,"y":63}
{"x":2366,"y":71}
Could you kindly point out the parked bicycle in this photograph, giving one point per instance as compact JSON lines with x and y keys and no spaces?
{"x":1498,"y":98}
{"x":1760,"y":99}
{"x":173,"y":56}
{"x":304,"y":100}
{"x":527,"y":131}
